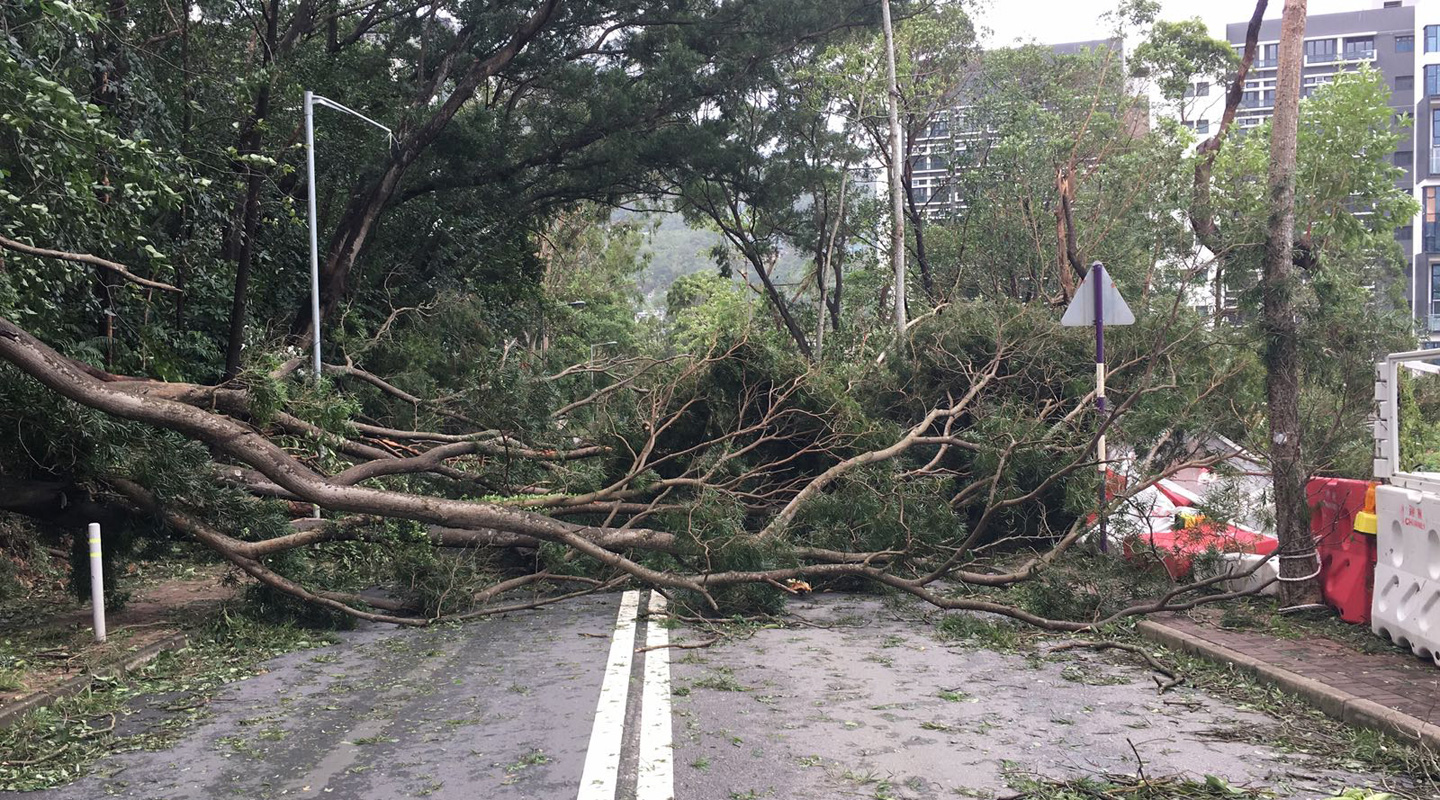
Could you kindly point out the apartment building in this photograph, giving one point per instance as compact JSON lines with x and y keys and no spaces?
{"x":1400,"y":39}
{"x":938,"y":148}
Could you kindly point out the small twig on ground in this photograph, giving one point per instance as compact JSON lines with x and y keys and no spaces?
{"x":1139,"y":762}
{"x":188,"y":706}
{"x":1190,"y":704}
{"x":98,"y":731}
{"x":1172,"y":678}
{"x":821,"y":626}
{"x":680,"y":645}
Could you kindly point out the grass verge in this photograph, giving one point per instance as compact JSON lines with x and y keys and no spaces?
{"x":146,"y":709}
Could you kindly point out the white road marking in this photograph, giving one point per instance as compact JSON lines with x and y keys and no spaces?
{"x":655,"y":778}
{"x":602,"y":758}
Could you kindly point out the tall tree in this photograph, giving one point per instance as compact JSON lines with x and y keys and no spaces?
{"x":1281,"y":323}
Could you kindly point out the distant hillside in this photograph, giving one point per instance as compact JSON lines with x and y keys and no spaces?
{"x":676,"y":249}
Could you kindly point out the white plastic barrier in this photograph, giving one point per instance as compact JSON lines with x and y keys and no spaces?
{"x":1406,"y":607}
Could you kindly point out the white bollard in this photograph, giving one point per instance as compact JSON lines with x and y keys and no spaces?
{"x":97,"y":583}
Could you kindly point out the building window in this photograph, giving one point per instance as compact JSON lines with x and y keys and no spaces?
{"x":1360,"y":48}
{"x":1404,"y":44}
{"x":1428,"y":222}
{"x":1267,"y":56}
{"x":1404,"y":83}
{"x":928,"y":163}
{"x":1405,"y":159}
{"x":1432,"y":80}
{"x":1392,"y":3}
{"x":1432,"y":38}
{"x":1199,"y":89}
{"x":1202,"y":126}
{"x":1434,"y":293}
{"x":1320,"y":51}
{"x":1313,"y":82}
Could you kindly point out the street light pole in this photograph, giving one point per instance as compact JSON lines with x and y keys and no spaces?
{"x":314,"y":234}
{"x":592,"y":359}
{"x":311,"y":100}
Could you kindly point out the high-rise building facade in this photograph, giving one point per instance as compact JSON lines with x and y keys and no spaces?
{"x":1425,"y":248}
{"x":939,"y":149}
{"x":1400,"y":39}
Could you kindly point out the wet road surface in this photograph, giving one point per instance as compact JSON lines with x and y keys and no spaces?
{"x":581,"y":701}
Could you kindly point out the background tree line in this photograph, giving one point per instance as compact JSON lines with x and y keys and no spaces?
{"x":493,"y":388}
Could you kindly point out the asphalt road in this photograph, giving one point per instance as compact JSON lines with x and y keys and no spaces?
{"x":861,"y":703}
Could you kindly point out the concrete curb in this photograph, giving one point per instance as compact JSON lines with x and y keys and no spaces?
{"x":10,"y":713}
{"x":1343,"y":706}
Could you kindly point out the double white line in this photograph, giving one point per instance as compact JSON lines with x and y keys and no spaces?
{"x":655,"y":774}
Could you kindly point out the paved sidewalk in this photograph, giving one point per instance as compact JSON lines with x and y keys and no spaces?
{"x":1396,"y":693}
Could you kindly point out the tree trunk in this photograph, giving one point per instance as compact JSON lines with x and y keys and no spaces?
{"x":917,"y":223}
{"x":1282,"y":359}
{"x":757,"y":261}
{"x":897,"y":200}
{"x":250,"y":140}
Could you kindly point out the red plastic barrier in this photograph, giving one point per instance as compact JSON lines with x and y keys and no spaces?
{"x":1177,"y":548}
{"x":1347,"y":558}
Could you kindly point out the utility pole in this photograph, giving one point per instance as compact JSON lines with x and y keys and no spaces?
{"x":1299,"y":563}
{"x":897,"y":163}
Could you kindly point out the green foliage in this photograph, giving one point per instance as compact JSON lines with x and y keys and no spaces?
{"x":506,"y":288}
{"x":1351,"y":302}
{"x":1419,"y":397}
{"x":992,"y":634}
{"x":440,"y":583}
{"x":870,"y":510}
{"x":706,"y":309}
{"x":1177,"y":54}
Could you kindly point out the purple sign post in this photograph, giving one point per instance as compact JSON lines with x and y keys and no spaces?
{"x":1099,"y":270}
{"x":1098,"y":302}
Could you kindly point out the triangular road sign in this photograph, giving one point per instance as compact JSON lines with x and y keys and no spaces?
{"x":1082,"y":309}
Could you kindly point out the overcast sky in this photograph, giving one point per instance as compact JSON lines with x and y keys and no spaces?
{"x":1056,"y":21}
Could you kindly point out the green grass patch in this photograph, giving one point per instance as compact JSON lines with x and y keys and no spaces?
{"x":55,"y":745}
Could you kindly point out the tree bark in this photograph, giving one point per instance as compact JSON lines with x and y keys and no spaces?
{"x":250,"y":141}
{"x":897,"y":154}
{"x":1282,"y":358}
{"x":917,"y":222}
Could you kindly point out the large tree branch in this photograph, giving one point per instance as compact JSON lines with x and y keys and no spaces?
{"x":85,"y":258}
